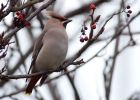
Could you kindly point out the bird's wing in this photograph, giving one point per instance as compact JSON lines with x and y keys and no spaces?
{"x":37,"y":47}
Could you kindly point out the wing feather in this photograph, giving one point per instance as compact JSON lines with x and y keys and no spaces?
{"x":37,"y":47}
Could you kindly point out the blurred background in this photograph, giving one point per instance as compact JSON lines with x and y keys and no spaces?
{"x":110,"y":75}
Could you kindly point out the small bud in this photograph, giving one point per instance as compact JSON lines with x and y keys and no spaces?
{"x":92,"y":6}
{"x":93,"y":26}
{"x":2,"y":6}
{"x":97,"y":18}
{"x":134,"y":43}
{"x":128,"y":7}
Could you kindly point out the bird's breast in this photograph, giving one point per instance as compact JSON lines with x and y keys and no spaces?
{"x":52,"y":53}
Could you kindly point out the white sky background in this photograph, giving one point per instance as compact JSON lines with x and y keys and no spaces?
{"x":89,"y":79}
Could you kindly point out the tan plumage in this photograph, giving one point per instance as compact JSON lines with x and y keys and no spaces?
{"x":50,"y":49}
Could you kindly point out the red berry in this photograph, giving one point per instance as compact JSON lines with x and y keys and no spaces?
{"x":92,"y":6}
{"x":21,"y":17}
{"x":93,"y":26}
{"x":17,"y":13}
{"x":128,"y":7}
{"x":27,"y":24}
{"x":86,"y":38}
{"x":129,"y":11}
{"x":81,"y":39}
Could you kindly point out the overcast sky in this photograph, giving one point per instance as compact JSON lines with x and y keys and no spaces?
{"x":89,"y":78}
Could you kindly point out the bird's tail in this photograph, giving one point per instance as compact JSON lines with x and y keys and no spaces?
{"x":32,"y":84}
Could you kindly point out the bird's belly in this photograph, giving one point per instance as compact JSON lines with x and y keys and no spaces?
{"x":51,"y":57}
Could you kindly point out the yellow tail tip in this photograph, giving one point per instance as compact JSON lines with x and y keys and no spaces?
{"x":26,"y":93}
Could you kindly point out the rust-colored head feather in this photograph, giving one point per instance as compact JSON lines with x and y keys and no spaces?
{"x":52,"y":14}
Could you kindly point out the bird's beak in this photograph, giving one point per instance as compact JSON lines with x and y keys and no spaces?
{"x":66,"y":22}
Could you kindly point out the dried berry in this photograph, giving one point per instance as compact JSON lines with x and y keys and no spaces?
{"x":129,"y":11}
{"x":93,"y":26}
{"x":85,"y":28}
{"x":128,"y":15}
{"x":128,"y":7}
{"x":86,"y":38}
{"x":81,"y":39}
{"x":92,"y":6}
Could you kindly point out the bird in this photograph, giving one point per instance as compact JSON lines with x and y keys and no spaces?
{"x":50,"y":49}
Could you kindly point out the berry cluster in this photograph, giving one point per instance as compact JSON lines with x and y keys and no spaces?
{"x":129,"y":11}
{"x":20,"y":21}
{"x":83,"y":36}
